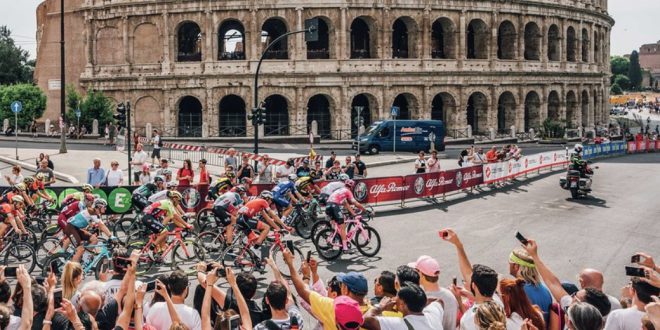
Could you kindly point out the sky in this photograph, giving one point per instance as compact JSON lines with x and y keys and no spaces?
{"x":635,"y":23}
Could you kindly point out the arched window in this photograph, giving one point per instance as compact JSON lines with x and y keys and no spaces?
{"x":597,"y":54}
{"x":553,"y":106}
{"x":585,"y":109}
{"x":532,"y":111}
{"x":443,"y":108}
{"x":365,"y":103}
{"x":506,"y":112}
{"x":190,"y":117}
{"x":231,"y":41}
{"x":404,"y":34}
{"x":271,"y":30}
{"x":189,"y":43}
{"x":477,"y":40}
{"x":407,"y":105}
{"x":443,"y":40}
{"x":506,"y":41}
{"x":362,"y":38}
{"x":318,"y":109}
{"x":232,"y":116}
{"x":277,"y":116}
{"x":320,"y":49}
{"x":532,"y":42}
{"x":477,"y":112}
{"x":571,"y":45}
{"x":585,"y":45}
{"x":554,"y":40}
{"x":571,"y":110}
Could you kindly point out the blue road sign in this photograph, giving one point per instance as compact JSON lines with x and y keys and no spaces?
{"x":16,"y":106}
{"x":395,"y":111}
{"x":78,"y":113}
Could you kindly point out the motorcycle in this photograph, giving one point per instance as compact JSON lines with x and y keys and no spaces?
{"x":578,"y":185}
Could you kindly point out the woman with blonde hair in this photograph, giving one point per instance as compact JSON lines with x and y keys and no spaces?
{"x":72,"y":276}
{"x":522,"y":266}
{"x":489,"y":316}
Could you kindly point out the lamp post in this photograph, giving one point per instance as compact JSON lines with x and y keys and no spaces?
{"x":358,"y":124}
{"x":62,"y":83}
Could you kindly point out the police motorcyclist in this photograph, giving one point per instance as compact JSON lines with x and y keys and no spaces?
{"x":579,"y":164}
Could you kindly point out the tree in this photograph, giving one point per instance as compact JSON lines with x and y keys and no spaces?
{"x":622,"y":81}
{"x":94,"y":105}
{"x":616,"y":90}
{"x":635,"y":71}
{"x":32,"y":98}
{"x":619,"y":65}
{"x":15,"y":64}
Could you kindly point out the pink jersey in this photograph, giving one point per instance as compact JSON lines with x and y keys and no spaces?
{"x":340,"y":195}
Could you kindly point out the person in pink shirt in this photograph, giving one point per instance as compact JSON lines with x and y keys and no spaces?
{"x":342,"y":197}
{"x":433,"y":164}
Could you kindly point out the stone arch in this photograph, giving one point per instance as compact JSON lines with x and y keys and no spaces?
{"x":532,"y":42}
{"x":478,"y":35}
{"x":189,"y":42}
{"x":443,"y":38}
{"x":585,"y":45}
{"x":407,"y":104}
{"x":369,"y":108}
{"x":554,"y":106}
{"x":322,"y":49}
{"x":477,"y":112}
{"x":231,"y":40}
{"x":532,"y":111}
{"x":585,"y":109}
{"x":405,"y":33}
{"x":506,"y":41}
{"x":597,"y":50}
{"x":146,"y":110}
{"x":364,"y":35}
{"x":319,"y":108}
{"x":443,"y":107}
{"x":277,"y":115}
{"x":571,"y":110}
{"x":571,"y":45}
{"x":596,"y":109}
{"x":273,"y":28}
{"x":506,"y":112}
{"x":108,"y":46}
{"x":232,"y":116}
{"x":145,"y":36}
{"x":554,"y":43}
{"x":189,"y":121}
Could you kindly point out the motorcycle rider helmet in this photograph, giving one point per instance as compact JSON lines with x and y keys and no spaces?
{"x":87,"y":188}
{"x":578,"y":148}
{"x":266,"y":194}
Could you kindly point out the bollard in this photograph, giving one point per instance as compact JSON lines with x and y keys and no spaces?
{"x":95,"y":127}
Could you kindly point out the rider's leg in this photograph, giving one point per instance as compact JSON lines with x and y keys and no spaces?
{"x":3,"y":229}
{"x":229,"y":230}
{"x":342,"y":234}
{"x":263,"y":234}
{"x":161,"y":240}
{"x":79,"y":252}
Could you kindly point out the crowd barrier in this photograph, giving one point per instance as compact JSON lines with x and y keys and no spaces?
{"x":380,"y":190}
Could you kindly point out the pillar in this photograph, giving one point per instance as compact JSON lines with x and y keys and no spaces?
{"x":124,"y":39}
{"x":386,"y":35}
{"x":426,"y":34}
{"x":461,"y":54}
{"x":207,"y":32}
{"x":494,"y":18}
{"x":343,"y":50}
{"x":167,"y":42}
{"x":89,"y":42}
{"x":300,"y":46}
{"x":255,"y":40}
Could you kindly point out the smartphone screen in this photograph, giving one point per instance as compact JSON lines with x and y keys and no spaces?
{"x":521,"y":238}
{"x":289,"y":245}
{"x":634,"y":271}
{"x":57,"y":294}
{"x":151,"y":286}
{"x":635,"y":259}
{"x":10,"y":271}
{"x":209,"y":267}
{"x":234,"y":322}
{"x":309,"y":256}
{"x":221,"y":272}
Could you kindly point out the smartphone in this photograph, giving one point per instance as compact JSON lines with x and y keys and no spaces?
{"x":221,"y":272}
{"x":57,"y":295}
{"x":635,"y":271}
{"x":454,"y":281}
{"x":635,"y":259}
{"x":151,"y":286}
{"x":521,"y":238}
{"x":443,"y":234}
{"x":55,"y":270}
{"x":40,"y":280}
{"x":309,"y":256}
{"x":289,"y":245}
{"x":10,"y":271}
{"x":234,"y":322}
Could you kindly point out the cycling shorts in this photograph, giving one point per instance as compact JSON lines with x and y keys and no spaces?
{"x":62,"y":221}
{"x":76,"y":235}
{"x":323,"y":199}
{"x":281,"y":202}
{"x":250,"y":224}
{"x":333,"y":211}
{"x":140,"y":202}
{"x":154,"y":225}
{"x":222,"y":217}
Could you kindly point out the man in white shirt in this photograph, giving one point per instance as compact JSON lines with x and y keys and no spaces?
{"x":282,"y":172}
{"x":157,"y":143}
{"x":411,"y":303}
{"x":429,"y":272}
{"x":158,"y":315}
{"x":139,"y":159}
{"x":631,"y":318}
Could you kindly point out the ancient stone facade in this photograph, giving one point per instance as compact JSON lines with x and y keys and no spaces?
{"x":187,"y":67}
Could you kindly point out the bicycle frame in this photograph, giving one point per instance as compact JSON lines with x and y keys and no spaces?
{"x":178,"y":240}
{"x":354,"y":230}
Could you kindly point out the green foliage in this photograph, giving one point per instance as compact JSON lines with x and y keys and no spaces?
{"x":635,"y":71}
{"x":619,"y":65}
{"x":622,"y":81}
{"x":552,"y":129}
{"x":32,"y":98}
{"x":94,"y":105}
{"x":15,"y":64}
{"x":616,"y":90}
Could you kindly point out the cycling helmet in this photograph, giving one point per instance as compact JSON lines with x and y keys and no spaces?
{"x":40,"y":176}
{"x":158,"y":179}
{"x":87,"y":187}
{"x":171,"y":184}
{"x":349,"y":183}
{"x":578,"y":148}
{"x":99,"y":203}
{"x":19,"y":186}
{"x":241,"y":190}
{"x":266,"y":194}
{"x":28,"y":180}
{"x":343,"y":177}
{"x":174,"y":194}
{"x":89,"y":197}
{"x":17,"y":199}
{"x":230,"y":175}
{"x":166,"y":172}
{"x":304,"y":181}
{"x":293,"y":177}
{"x":246,"y":180}
{"x":224,"y":183}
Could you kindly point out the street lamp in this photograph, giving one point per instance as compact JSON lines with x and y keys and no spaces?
{"x":358,"y":124}
{"x":62,"y":83}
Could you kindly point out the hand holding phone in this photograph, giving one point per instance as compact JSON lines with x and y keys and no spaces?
{"x":521,"y":238}
{"x":151,"y":286}
{"x":289,"y":245}
{"x":309,"y":256}
{"x":635,"y":271}
{"x":443,"y":234}
{"x":10,"y":271}
{"x":635,"y":259}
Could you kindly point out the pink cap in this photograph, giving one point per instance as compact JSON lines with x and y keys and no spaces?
{"x":145,"y":166}
{"x":347,"y":313}
{"x":426,"y":265}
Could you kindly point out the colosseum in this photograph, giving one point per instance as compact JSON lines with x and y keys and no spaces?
{"x":187,"y":66}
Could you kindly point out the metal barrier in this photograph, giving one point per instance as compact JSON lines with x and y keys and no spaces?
{"x":457,"y":133}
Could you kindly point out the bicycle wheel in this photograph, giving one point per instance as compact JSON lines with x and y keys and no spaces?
{"x":56,"y":263}
{"x":278,"y":258}
{"x":303,"y":224}
{"x":145,"y":263}
{"x":205,"y":220}
{"x":367,"y":241}
{"x":19,"y":253}
{"x":328,"y":244}
{"x":136,"y":232}
{"x":185,"y":256}
{"x":239,"y":259}
{"x":48,"y":247}
{"x":213,"y":243}
{"x":35,"y":224}
{"x":48,"y":216}
{"x":318,"y":227}
{"x":49,"y":231}
{"x":29,"y":238}
{"x":121,"y":228}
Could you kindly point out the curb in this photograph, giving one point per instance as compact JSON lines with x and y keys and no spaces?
{"x":58,"y":175}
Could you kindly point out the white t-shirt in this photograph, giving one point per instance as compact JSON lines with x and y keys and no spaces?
{"x":156,"y":142}
{"x":159,"y":317}
{"x":282,"y":173}
{"x":615,"y":303}
{"x":467,"y":321}
{"x":624,"y":319}
{"x":431,"y":320}
{"x":450,"y":306}
{"x":267,"y":176}
{"x":114,"y":177}
{"x":139,"y":158}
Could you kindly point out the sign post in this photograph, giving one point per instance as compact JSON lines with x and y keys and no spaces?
{"x":78,"y":113}
{"x":16,"y":107}
{"x":358,"y":123}
{"x":395,"y":113}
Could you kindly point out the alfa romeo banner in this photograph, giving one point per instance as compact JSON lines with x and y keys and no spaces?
{"x":373,"y":191}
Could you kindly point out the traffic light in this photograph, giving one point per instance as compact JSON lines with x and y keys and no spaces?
{"x":258,"y":116}
{"x":312,"y":30}
{"x":120,"y":117}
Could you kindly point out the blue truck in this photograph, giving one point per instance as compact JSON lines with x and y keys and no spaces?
{"x":411,"y":135}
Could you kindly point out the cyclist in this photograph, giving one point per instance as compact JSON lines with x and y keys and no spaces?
{"x":342,"y":197}
{"x":225,"y":210}
{"x":71,"y":209}
{"x":219,"y":187}
{"x":36,"y":189}
{"x":16,"y":190}
{"x":306,"y":186}
{"x":283,"y":194}
{"x":162,"y":194}
{"x":142,"y":193}
{"x":76,"y":228}
{"x":259,"y":206}
{"x":332,"y":187}
{"x":77,"y":196}
{"x":159,"y":214}
{"x":11,"y":214}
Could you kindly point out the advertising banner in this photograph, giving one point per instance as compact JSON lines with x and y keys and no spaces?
{"x":463,"y":178}
{"x":495,"y":171}
{"x":373,"y":191}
